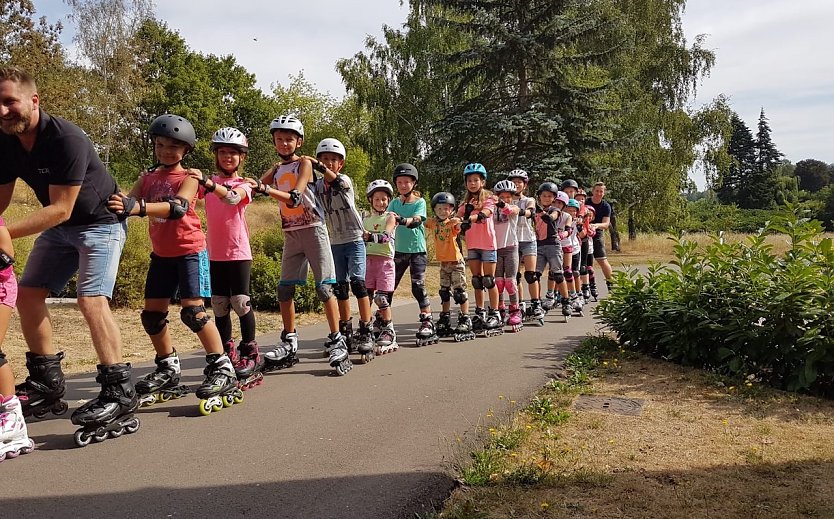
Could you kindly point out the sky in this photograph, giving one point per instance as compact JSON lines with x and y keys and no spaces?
{"x":770,"y":53}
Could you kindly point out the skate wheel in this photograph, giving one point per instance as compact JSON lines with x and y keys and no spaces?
{"x":206,"y":408}
{"x":60,"y":407}
{"x":82,"y":438}
{"x":163,"y":397}
{"x":2,"y":456}
{"x":115,"y":433}
{"x":12,"y":454}
{"x":228,"y":400}
{"x":132,"y":426}
{"x":100,"y":436}
{"x":29,"y":448}
{"x":40,"y":413}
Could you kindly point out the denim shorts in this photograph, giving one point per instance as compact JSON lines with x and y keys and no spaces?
{"x":349,"y":259}
{"x":482,"y":255}
{"x":526,"y":248}
{"x":189,"y":274}
{"x":91,"y":250}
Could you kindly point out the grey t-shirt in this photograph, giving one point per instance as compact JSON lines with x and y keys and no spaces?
{"x":339,"y":204}
{"x":525,"y":232}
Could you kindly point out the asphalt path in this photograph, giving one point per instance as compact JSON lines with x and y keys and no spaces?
{"x":379,"y":442}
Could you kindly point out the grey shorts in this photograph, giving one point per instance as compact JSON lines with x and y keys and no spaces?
{"x":453,"y":274}
{"x":550,"y":255}
{"x":507,"y":266}
{"x":303,"y":248}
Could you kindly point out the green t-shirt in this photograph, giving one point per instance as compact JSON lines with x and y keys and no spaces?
{"x":376,"y":223}
{"x":409,"y":240}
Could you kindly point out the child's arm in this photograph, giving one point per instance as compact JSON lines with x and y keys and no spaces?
{"x":173,"y":209}
{"x":293,"y":196}
{"x":412,"y":222}
{"x":6,"y":249}
{"x":230,"y":196}
{"x":384,"y":236}
{"x":319,"y":166}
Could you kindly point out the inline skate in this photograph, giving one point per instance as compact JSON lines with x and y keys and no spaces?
{"x":346,"y":329}
{"x":444,"y":325}
{"x":492,"y":325}
{"x":249,"y":366}
{"x":566,"y":308}
{"x":163,"y":383}
{"x":502,"y":314}
{"x":364,"y":341}
{"x":463,"y":331}
{"x":593,"y":289}
{"x":220,"y":388}
{"x":586,"y":293}
{"x":577,"y":305}
{"x":338,"y":357}
{"x":283,"y":356}
{"x":514,"y":319}
{"x":549,"y":302}
{"x":110,"y":414}
{"x":387,"y":340}
{"x":426,"y":334}
{"x":43,"y":390}
{"x":379,"y":323}
{"x":231,"y":351}
{"x":14,"y":439}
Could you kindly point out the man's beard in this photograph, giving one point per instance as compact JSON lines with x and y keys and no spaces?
{"x":18,"y":125}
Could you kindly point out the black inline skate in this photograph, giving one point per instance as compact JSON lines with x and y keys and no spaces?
{"x":478,"y":320}
{"x":463,"y":331}
{"x":163,"y":383}
{"x":346,"y":329}
{"x":566,"y":308}
{"x":284,"y":355}
{"x":426,"y":334}
{"x":586,"y":293}
{"x":249,"y":366}
{"x":220,"y":388}
{"x":364,"y":341}
{"x":378,"y":324}
{"x":593,"y":289}
{"x":43,"y":390}
{"x":111,"y":412}
{"x":444,"y":325}
{"x":338,"y":357}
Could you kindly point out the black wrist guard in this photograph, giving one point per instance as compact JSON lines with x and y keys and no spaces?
{"x":143,"y":208}
{"x":295,"y":197}
{"x":318,"y":166}
{"x":5,"y":260}
{"x":481,"y":217}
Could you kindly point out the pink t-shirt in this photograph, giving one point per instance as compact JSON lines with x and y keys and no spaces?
{"x":8,"y":283}
{"x":171,"y":238}
{"x":481,"y":235}
{"x":228,"y":234}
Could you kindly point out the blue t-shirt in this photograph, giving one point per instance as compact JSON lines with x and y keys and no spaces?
{"x":405,"y":239}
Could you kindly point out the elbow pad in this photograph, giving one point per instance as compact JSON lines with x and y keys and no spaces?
{"x":179,"y":206}
{"x":232,"y":197}
{"x":295,"y":198}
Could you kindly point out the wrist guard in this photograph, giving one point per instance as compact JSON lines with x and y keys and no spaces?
{"x":6,"y":261}
{"x":318,"y":166}
{"x":481,"y":217}
{"x":295,"y":198}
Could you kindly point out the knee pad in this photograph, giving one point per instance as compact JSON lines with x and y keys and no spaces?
{"x":558,"y":277}
{"x":241,"y":303}
{"x":221,"y":305}
{"x":342,"y":290}
{"x":568,"y":274}
{"x":509,"y":284}
{"x":460,"y":296}
{"x":500,"y":284}
{"x":583,"y":270}
{"x":286,"y":293}
{"x":3,"y":360}
{"x":357,"y":286}
{"x":478,"y":282}
{"x":154,"y":322}
{"x":576,"y":275}
{"x":189,"y":316}
{"x":531,"y":276}
{"x":382,"y":299}
{"x":325,"y":292}
{"x":418,"y":290}
{"x":445,"y":294}
{"x":488,"y":281}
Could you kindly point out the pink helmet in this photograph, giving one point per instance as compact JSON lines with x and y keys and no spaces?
{"x":562,"y":197}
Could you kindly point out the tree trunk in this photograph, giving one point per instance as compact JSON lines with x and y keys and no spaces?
{"x":615,"y":236}
{"x":632,"y":226}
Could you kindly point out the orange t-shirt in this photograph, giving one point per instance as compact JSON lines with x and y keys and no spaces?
{"x":445,"y":244}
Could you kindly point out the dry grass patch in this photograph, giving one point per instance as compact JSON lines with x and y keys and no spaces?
{"x":701,"y":448}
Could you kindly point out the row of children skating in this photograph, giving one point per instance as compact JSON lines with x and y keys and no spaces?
{"x":506,"y":233}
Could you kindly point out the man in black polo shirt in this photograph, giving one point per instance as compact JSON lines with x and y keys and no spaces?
{"x":77,"y":234}
{"x":600,"y":223}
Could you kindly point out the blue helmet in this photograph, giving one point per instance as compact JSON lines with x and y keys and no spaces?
{"x":574,"y":203}
{"x":475,"y":167}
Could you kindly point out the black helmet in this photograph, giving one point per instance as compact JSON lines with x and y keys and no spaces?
{"x":406,"y":170}
{"x":175,"y":127}
{"x":570,"y":183}
{"x":442,"y":198}
{"x":547,"y":186}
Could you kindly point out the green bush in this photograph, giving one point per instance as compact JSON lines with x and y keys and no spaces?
{"x":737,"y":308}
{"x":133,"y":266}
{"x":266,"y":275}
{"x":269,"y":242}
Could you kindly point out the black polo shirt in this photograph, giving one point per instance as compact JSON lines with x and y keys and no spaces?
{"x":603,"y":210}
{"x":63,"y":155}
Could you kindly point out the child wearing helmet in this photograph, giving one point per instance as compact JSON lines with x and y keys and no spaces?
{"x":306,"y":244}
{"x":380,"y":275}
{"x":551,"y":223}
{"x":526,"y":238}
{"x":586,"y":235}
{"x":410,"y":244}
{"x":166,"y":193}
{"x":227,"y":194}
{"x":446,"y":227}
{"x":477,"y":210}
{"x":572,"y":256}
{"x":506,"y":240}
{"x":336,"y":195}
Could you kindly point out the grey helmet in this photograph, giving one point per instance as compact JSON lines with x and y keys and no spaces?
{"x":287,"y":122}
{"x":175,"y":127}
{"x":406,"y":170}
{"x":442,"y":198}
{"x":570,"y":183}
{"x":231,"y":137}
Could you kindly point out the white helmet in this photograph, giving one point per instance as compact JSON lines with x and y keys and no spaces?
{"x":331,"y":145}
{"x":287,"y":122}
{"x":518,"y":173}
{"x":505,"y":186}
{"x":229,"y":137}
{"x":378,"y":184}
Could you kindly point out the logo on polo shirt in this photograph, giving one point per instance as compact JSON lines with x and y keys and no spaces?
{"x":43,"y":171}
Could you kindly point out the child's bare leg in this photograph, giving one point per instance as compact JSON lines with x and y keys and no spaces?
{"x":207,"y":333}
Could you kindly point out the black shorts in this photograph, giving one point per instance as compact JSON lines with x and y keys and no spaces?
{"x":230,"y":278}
{"x":575,"y":262}
{"x":599,"y":246}
{"x":189,"y":274}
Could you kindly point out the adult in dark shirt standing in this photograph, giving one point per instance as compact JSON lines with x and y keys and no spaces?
{"x":77,"y":234}
{"x":600,"y":223}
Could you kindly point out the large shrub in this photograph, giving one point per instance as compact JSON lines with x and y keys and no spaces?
{"x":737,"y":308}
{"x":133,"y":265}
